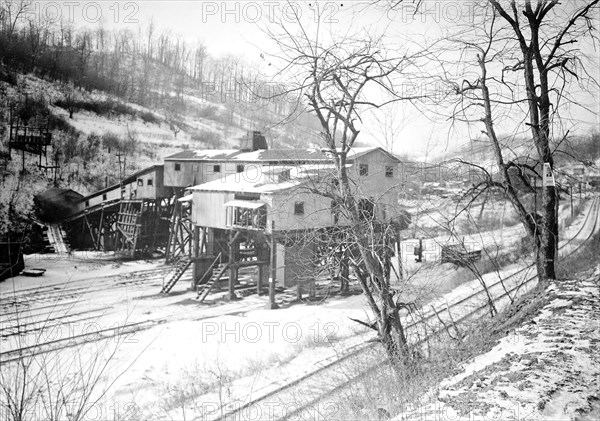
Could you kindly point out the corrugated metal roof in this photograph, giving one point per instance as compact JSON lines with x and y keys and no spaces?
{"x":246,"y":204}
{"x":248,"y":156}
{"x":262,"y":181}
{"x":266,"y":155}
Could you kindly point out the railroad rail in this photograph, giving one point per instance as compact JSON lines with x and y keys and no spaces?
{"x":378,"y":365}
{"x":60,"y":290}
{"x":326,"y":368}
{"x":317,"y":384}
{"x":49,"y":321}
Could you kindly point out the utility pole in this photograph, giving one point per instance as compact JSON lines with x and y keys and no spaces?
{"x":571,"y":191}
{"x":119,"y":155}
{"x":535,"y":196}
{"x":399,"y":253}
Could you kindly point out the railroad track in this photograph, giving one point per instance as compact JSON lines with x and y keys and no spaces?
{"x":375,"y":367}
{"x":326,"y":367}
{"x":50,"y":320}
{"x":94,"y":335}
{"x":331,"y":376}
{"x":82,"y":326}
{"x":55,"y":292}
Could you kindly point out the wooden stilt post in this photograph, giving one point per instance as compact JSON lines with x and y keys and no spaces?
{"x":400,"y":266}
{"x":261,"y":275}
{"x":100,"y":231}
{"x":272,"y":305}
{"x":195,"y":279}
{"x":233,"y":270}
{"x":312,"y":289}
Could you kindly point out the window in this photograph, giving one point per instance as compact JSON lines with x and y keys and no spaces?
{"x":335,"y":211}
{"x":87,"y":203}
{"x":299,"y":208}
{"x":364,"y":169}
{"x":246,"y":214}
{"x":149,"y":182}
{"x":177,"y":167}
{"x":389,"y":171}
{"x":104,"y":196}
{"x":140,"y":182}
{"x":246,"y":196}
{"x":216,"y":168}
{"x":366,"y":209}
{"x":285,"y":175}
{"x":240,"y":168}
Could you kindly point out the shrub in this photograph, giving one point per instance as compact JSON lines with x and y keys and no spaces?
{"x":60,"y":124}
{"x":207,"y":137}
{"x":8,"y":77}
{"x":149,"y":117}
{"x":210,"y":112}
{"x":102,"y":108}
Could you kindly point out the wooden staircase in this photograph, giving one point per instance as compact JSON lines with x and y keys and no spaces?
{"x":54,"y":235}
{"x":180,"y":268}
{"x":129,"y":223}
{"x":217,"y":273}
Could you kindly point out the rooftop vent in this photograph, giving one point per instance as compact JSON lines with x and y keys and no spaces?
{"x":253,"y":142}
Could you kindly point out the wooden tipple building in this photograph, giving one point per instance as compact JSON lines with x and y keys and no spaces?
{"x":216,"y":211}
{"x":264,"y":208}
{"x":130,"y":216}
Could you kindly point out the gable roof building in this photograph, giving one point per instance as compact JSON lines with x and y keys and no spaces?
{"x":193,"y":167}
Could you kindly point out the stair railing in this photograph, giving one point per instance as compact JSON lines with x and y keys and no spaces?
{"x":212,"y":265}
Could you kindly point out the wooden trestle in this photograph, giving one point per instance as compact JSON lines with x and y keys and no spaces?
{"x":131,"y":226}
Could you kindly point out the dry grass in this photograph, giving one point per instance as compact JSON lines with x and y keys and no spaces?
{"x":385,"y":391}
{"x":578,"y":209}
{"x":583,"y":260}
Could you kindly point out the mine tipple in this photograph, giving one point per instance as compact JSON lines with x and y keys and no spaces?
{"x":131,"y":216}
{"x":277,"y":211}
{"x":214,"y":211}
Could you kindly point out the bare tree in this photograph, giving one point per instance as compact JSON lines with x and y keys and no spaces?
{"x":518,"y":71}
{"x":339,"y":82}
{"x":55,"y":385}
{"x":11,"y":12}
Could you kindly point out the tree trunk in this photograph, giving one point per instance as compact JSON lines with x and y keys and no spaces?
{"x":549,"y":236}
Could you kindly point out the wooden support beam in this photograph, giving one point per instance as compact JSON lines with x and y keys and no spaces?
{"x":100,"y":230}
{"x":90,"y":230}
{"x":261,"y":274}
{"x":195,"y":279}
{"x":248,"y":263}
{"x":272,"y":305}
{"x":233,"y":269}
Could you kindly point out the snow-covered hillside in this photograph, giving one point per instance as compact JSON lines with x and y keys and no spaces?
{"x":546,"y":369}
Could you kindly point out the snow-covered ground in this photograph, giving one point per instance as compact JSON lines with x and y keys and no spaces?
{"x":546,"y":369}
{"x":185,"y":354}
